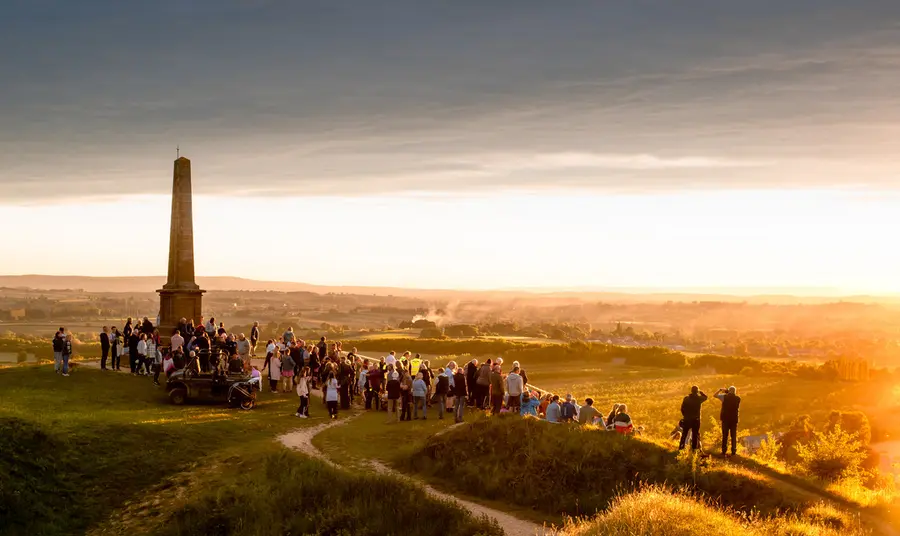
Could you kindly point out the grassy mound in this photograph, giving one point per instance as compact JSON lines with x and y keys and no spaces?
{"x":286,"y":493}
{"x":32,"y":480}
{"x":574,"y":470}
{"x":658,"y":512}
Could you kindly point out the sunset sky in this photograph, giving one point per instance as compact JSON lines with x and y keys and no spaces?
{"x":459,"y":144}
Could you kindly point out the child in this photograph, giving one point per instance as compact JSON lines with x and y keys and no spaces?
{"x":274,"y":371}
{"x":169,"y":365}
{"x":303,"y":393}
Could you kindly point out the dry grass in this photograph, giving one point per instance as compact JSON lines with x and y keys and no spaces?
{"x":656,"y":511}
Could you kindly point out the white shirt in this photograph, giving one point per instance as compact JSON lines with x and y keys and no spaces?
{"x":270,"y":349}
{"x":142,"y":348}
{"x":390,"y":360}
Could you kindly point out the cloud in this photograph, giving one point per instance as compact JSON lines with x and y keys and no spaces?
{"x":325,"y":98}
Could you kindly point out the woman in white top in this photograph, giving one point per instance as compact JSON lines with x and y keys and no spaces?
{"x":331,"y":395}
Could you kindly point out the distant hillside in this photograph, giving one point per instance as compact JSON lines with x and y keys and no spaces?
{"x":227,"y":283}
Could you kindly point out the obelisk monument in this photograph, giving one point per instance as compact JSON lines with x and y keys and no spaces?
{"x":180,"y":297}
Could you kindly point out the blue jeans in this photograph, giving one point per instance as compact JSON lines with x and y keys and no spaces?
{"x":57,"y":361}
{"x":416,"y":401}
{"x":458,"y":407}
{"x":65,"y":363}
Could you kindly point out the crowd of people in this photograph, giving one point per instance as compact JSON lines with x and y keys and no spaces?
{"x":404,"y":387}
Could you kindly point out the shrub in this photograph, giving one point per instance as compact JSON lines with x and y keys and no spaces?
{"x":833,"y":455}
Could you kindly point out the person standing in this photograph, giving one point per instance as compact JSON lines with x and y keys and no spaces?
{"x":405,"y":395}
{"x":497,"y":390}
{"x":287,"y":372}
{"x":126,"y":331}
{"x":514,"y":388}
{"x":483,"y":384}
{"x":66,"y":353}
{"x":177,"y":346}
{"x":133,"y":340}
{"x":303,"y":393}
{"x":114,"y":343}
{"x":471,"y":377}
{"x":141,"y":354}
{"x":731,"y":405}
{"x":243,"y":351}
{"x":154,"y":358}
{"x":393,"y":394}
{"x":331,"y":395}
{"x":104,"y":347}
{"x":254,"y":338}
{"x":690,"y":412}
{"x":323,"y":349}
{"x":419,"y":391}
{"x":460,"y":390}
{"x":441,"y":389}
{"x":59,"y":340}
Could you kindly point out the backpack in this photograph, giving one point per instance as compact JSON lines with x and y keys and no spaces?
{"x":568,"y":411}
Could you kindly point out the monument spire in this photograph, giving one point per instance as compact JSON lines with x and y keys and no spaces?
{"x":180,"y":297}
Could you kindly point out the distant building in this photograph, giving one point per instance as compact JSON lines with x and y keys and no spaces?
{"x":17,"y":314}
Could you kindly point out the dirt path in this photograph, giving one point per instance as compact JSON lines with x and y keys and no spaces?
{"x":301,"y":440}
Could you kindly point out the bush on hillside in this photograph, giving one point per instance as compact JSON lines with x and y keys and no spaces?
{"x":656,"y":511}
{"x":572,"y":470}
{"x":290,"y":494}
{"x":833,"y":455}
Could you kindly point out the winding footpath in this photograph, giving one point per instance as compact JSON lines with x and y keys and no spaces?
{"x":301,"y":440}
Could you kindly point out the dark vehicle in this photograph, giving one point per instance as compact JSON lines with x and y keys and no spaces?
{"x":190,"y":383}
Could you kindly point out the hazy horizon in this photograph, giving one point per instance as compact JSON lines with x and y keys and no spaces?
{"x":427,"y":144}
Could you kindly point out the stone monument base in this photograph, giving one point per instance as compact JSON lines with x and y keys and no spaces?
{"x":175,"y":304}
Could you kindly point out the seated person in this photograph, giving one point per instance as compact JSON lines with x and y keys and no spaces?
{"x":529,"y":405}
{"x":622,"y":421}
{"x":235,"y":365}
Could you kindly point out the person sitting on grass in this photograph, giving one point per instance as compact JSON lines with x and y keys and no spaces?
{"x":553,"y":410}
{"x":545,"y":401}
{"x":568,"y":411}
{"x":588,"y":412}
{"x":622,"y":421}
{"x":612,"y":415}
{"x":529,"y":405}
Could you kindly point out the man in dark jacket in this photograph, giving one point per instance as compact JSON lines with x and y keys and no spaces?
{"x":460,"y":391}
{"x":471,"y":376}
{"x":441,"y":389}
{"x":133,"y":339}
{"x":690,"y":411}
{"x":104,"y":347}
{"x":731,"y":404}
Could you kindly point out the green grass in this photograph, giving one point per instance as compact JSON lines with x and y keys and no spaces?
{"x":571,"y":470}
{"x":103,"y":438}
{"x":280,"y":492}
